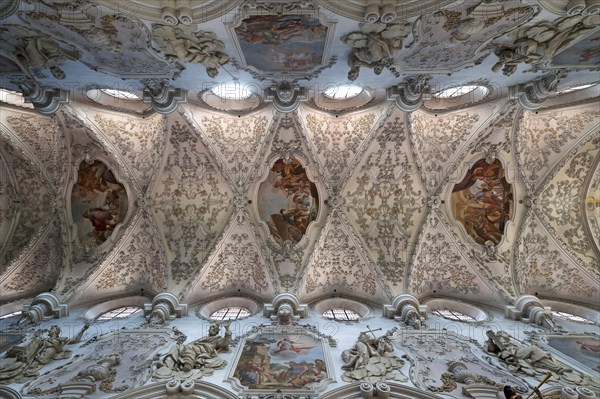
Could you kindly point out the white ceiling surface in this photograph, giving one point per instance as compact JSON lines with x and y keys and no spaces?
{"x":384,"y":177}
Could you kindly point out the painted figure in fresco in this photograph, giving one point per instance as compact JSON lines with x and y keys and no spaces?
{"x":301,"y":195}
{"x":99,"y":202}
{"x":201,"y":354}
{"x":269,"y":362}
{"x":483,"y":202}
{"x":279,"y":29}
{"x":287,"y":344}
{"x":589,"y":347}
{"x":22,"y":362}
{"x":250,"y":373}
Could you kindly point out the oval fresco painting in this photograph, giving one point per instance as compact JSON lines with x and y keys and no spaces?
{"x":483,"y":202}
{"x":98,"y":203}
{"x":288,"y":201}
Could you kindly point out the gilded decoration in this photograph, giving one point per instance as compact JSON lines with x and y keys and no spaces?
{"x":483,"y":202}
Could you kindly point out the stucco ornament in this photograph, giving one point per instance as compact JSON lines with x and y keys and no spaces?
{"x":195,"y":359}
{"x":34,"y":52}
{"x":543,"y":40}
{"x":375,"y":46}
{"x":182,"y":43}
{"x":372,"y":359}
{"x":23,"y":362}
{"x":532,"y":360}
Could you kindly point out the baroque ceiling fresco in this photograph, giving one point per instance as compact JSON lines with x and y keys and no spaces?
{"x":483,"y":196}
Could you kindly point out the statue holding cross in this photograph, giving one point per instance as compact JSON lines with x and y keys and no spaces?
{"x":371,"y":357}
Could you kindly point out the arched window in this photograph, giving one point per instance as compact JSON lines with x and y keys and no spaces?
{"x":233,"y":313}
{"x":452,"y":315}
{"x":121,"y":94}
{"x":341,"y":314}
{"x":459,"y":91}
{"x":571,"y":317}
{"x":119,"y":313}
{"x":13,"y":314}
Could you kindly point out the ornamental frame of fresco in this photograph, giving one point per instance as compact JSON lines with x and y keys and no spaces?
{"x":295,"y":334}
{"x":120,"y":227}
{"x":311,"y":174}
{"x":509,"y":175}
{"x":305,"y":8}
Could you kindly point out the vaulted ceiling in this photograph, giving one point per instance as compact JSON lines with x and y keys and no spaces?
{"x":196,"y":177}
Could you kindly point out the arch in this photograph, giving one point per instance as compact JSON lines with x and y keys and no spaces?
{"x":104,"y":307}
{"x":462,"y":307}
{"x":365,"y":390}
{"x":342,"y":303}
{"x":172,"y":389}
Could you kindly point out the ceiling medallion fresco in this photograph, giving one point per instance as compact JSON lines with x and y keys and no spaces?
{"x":98,"y":203}
{"x":279,"y":43}
{"x":483,"y":202}
{"x":292,"y":42}
{"x":288,"y":201}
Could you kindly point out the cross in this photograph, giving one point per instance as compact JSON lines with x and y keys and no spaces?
{"x":372,"y":331}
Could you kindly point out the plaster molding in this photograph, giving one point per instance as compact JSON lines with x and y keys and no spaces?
{"x":165,"y":306}
{"x":410,"y":94}
{"x":406,"y":308}
{"x":45,"y":100}
{"x":529,"y":308}
{"x":45,"y":306}
{"x":285,"y":308}
{"x":164,"y":99}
